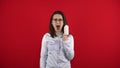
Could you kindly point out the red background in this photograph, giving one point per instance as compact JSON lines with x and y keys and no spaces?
{"x":93,"y":23}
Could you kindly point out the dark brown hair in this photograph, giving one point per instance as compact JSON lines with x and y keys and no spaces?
{"x":51,"y":29}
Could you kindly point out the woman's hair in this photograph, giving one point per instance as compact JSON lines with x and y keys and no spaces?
{"x":51,"y":29}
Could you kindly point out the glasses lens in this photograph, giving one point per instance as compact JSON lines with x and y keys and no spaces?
{"x":57,"y":20}
{"x":60,"y":20}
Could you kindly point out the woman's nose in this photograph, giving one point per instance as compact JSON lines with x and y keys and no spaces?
{"x":57,"y":22}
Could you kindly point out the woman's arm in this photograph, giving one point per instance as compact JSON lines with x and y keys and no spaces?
{"x":43,"y":55}
{"x":68,"y":45}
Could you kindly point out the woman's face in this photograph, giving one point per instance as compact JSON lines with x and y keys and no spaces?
{"x":57,"y":22}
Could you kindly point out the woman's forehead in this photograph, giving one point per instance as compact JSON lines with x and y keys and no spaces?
{"x":57,"y":16}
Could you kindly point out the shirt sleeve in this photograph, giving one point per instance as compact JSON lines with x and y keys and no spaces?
{"x":68,"y":46}
{"x":43,"y":55}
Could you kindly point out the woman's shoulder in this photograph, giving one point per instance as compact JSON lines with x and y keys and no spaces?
{"x":70,"y":36}
{"x":46,"y":35}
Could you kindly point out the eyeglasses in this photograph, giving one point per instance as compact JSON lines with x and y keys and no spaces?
{"x":57,"y":20}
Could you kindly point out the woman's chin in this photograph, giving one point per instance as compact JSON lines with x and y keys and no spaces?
{"x":58,"y":30}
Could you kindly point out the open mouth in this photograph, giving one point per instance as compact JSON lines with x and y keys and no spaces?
{"x":58,"y":27}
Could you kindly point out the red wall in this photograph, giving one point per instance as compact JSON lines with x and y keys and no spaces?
{"x":93,"y":23}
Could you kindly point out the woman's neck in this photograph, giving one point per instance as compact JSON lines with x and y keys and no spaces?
{"x":57,"y":33}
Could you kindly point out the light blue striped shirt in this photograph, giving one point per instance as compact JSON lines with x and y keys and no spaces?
{"x":56,"y":53}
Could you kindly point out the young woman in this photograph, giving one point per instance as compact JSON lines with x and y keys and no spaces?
{"x":57,"y":47}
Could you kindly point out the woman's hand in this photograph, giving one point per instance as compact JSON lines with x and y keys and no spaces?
{"x":64,"y":37}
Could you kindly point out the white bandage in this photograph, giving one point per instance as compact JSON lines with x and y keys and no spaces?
{"x":66,"y":30}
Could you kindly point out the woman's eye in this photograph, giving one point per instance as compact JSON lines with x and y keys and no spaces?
{"x":55,"y":19}
{"x":60,"y":19}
